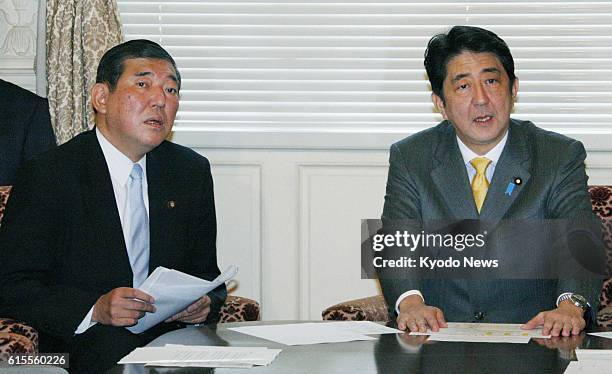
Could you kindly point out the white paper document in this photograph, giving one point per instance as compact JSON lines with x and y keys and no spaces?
{"x":174,"y":291}
{"x":607,"y":334}
{"x":589,"y":367}
{"x":591,"y":361}
{"x":480,"y":339}
{"x":483,"y":333}
{"x":201,"y":356}
{"x":363,"y":327}
{"x":316,"y":333}
{"x":594,"y":354}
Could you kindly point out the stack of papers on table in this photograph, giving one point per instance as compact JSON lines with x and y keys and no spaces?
{"x":591,"y":361}
{"x":201,"y":356}
{"x":606,"y":334}
{"x":316,"y":333}
{"x":174,"y":291}
{"x":483,"y":333}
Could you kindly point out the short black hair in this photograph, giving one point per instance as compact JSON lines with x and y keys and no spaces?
{"x":111,"y":64}
{"x":443,"y":47}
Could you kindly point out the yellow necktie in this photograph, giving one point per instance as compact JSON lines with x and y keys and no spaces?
{"x":480,"y":185}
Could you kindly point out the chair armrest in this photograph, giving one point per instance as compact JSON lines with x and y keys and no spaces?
{"x":239,"y":309}
{"x":604,"y":317}
{"x":16,"y":338}
{"x":373,"y":308}
{"x":4,"y":195}
{"x":605,"y":297}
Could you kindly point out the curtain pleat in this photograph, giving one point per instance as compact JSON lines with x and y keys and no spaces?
{"x":78,"y":34}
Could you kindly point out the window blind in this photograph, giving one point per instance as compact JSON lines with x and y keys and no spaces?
{"x":357,"y":66}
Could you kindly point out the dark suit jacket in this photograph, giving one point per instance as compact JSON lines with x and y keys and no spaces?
{"x":25,"y":129}
{"x":62,"y":243}
{"x":428,"y":181}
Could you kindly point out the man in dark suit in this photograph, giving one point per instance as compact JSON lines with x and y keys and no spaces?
{"x":478,"y":164}
{"x":88,"y":221}
{"x":25,"y":129}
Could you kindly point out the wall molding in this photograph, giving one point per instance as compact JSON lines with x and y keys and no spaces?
{"x":306,"y":173}
{"x":252,"y":172}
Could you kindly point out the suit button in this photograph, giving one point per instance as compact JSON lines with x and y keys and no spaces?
{"x":479,"y":316}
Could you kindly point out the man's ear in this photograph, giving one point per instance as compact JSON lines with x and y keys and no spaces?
{"x":439,"y":104}
{"x":99,"y":96}
{"x":515,"y":87}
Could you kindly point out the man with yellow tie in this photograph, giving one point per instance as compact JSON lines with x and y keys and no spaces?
{"x":479,"y":164}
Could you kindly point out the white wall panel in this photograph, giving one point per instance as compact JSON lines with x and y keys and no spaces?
{"x":332,"y":201}
{"x":303,"y":194}
{"x":238,"y":204}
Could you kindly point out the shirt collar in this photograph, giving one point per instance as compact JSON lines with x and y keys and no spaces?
{"x":493,"y":155}
{"x":119,"y":165}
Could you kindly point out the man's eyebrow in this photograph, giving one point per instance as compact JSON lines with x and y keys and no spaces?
{"x":143,"y":73}
{"x":491,"y":70}
{"x":148,"y":73}
{"x":459,"y":77}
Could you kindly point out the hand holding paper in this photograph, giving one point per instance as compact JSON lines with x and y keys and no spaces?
{"x":122,"y":306}
{"x":195,"y":313}
{"x":174,"y":291}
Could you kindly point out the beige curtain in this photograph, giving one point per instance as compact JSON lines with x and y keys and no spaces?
{"x":78,"y":34}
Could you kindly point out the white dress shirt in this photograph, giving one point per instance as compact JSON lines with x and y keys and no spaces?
{"x":119,"y":167}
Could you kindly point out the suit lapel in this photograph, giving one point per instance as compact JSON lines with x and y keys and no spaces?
{"x":451,"y":179}
{"x":161,"y":208}
{"x":514,"y":163}
{"x":101,"y":207}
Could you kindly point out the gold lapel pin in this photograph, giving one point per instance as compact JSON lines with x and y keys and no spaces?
{"x":171,"y":204}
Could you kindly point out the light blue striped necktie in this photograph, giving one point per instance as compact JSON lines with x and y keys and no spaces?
{"x":138,"y":246}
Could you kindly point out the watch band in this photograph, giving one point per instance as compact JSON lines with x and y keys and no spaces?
{"x":563,"y":297}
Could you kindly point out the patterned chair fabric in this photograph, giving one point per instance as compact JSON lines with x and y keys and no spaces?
{"x":18,"y":338}
{"x":601,"y":199}
{"x":239,"y":309}
{"x":375,"y":308}
{"x":15,"y":337}
{"x":4,"y":194}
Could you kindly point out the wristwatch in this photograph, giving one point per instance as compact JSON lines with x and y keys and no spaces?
{"x":578,"y":300}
